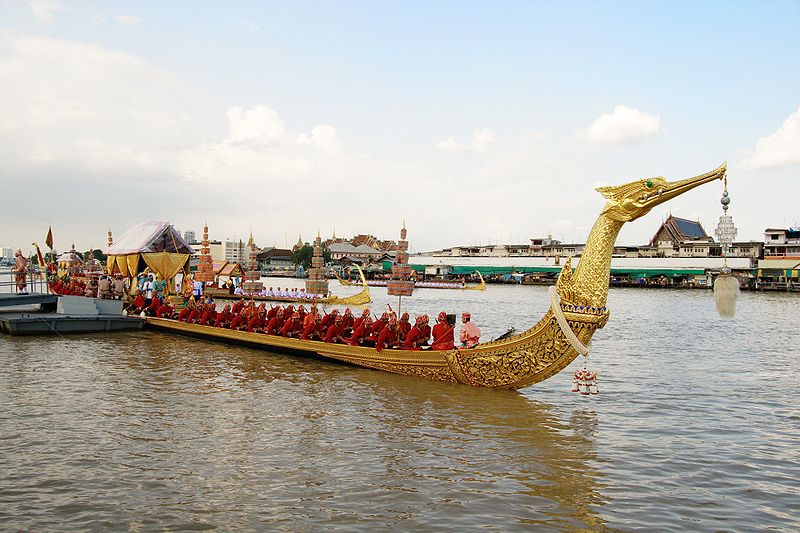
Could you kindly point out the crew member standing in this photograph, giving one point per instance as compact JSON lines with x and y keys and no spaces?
{"x":443,"y":334}
{"x":470,"y":334}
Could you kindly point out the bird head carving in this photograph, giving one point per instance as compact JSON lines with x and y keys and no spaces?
{"x":633,"y":200}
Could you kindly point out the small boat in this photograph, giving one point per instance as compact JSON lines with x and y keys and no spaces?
{"x":361,"y":298}
{"x":577,"y":310}
{"x":458,"y":285}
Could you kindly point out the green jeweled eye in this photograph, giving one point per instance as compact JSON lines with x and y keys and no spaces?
{"x":649,"y":184}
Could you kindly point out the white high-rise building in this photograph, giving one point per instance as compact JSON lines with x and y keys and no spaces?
{"x":236,"y":251}
{"x":7,"y":253}
{"x":189,"y":235}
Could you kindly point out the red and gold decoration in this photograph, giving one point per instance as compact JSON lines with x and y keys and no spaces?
{"x":252,"y":276}
{"x":205,"y":270}
{"x":400,"y":282}
{"x":317,"y":283}
{"x":585,"y":382}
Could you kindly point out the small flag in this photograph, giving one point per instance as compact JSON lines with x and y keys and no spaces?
{"x":49,"y":240}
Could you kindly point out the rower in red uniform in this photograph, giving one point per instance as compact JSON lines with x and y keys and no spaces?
{"x":334,"y":331}
{"x":291,"y":326}
{"x":238,"y":306}
{"x":238,"y":320}
{"x":256,"y":322}
{"x":377,"y":326}
{"x":183,"y":316}
{"x":209,"y":315}
{"x":357,"y":322}
{"x":414,"y":335}
{"x":311,"y":329}
{"x":151,"y":309}
{"x":361,"y":332}
{"x":403,"y":327}
{"x":443,"y":337}
{"x":329,"y":319}
{"x":388,"y":335}
{"x":348,"y":319}
{"x":195,"y":315}
{"x":224,"y":317}
{"x":425,"y":332}
{"x":137,"y":305}
{"x":274,"y":326}
{"x":166,"y":310}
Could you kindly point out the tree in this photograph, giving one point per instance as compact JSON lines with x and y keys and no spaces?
{"x":302,"y":256}
{"x":96,"y":254}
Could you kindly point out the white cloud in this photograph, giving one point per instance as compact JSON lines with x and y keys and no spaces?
{"x":450,"y":145}
{"x":259,"y":126}
{"x":779,"y":150}
{"x":43,"y":9}
{"x":127,"y":19}
{"x":254,"y":155}
{"x":242,"y":166}
{"x":86,"y":106}
{"x":624,"y":125}
{"x":482,"y":141}
{"x":323,"y":137}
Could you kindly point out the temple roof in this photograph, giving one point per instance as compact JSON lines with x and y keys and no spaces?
{"x":347,"y":248}
{"x":690,"y":228}
{"x":680,"y":230}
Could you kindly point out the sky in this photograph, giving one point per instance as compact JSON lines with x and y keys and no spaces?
{"x":472,"y":122}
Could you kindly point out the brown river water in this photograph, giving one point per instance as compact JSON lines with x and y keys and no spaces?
{"x":697,"y":427}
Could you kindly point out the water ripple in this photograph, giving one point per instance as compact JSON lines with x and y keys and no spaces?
{"x":695,"y":428}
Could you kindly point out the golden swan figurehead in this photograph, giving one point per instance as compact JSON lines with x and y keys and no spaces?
{"x":633,"y":200}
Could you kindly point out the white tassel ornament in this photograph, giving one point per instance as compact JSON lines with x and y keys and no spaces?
{"x":726,"y":291}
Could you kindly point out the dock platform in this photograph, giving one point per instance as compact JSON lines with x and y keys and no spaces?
{"x":57,"y":323}
{"x":34,"y":298}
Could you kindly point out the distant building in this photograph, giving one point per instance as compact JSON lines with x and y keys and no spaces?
{"x":781,"y":242}
{"x":7,"y":253}
{"x":236,"y":251}
{"x":274,"y":258}
{"x":357,"y":254}
{"x":680,"y":237}
{"x":373,"y":242}
{"x":216,"y":247}
{"x":676,"y":237}
{"x":189,"y":235}
{"x":553,"y":248}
